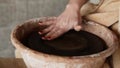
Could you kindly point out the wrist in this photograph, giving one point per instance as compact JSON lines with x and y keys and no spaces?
{"x":77,"y":3}
{"x":73,"y":7}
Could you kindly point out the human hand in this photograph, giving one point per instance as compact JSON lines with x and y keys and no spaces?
{"x":69,"y":19}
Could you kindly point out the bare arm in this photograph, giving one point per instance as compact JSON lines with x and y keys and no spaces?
{"x":77,"y":3}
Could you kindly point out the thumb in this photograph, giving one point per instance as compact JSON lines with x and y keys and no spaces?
{"x":77,"y":28}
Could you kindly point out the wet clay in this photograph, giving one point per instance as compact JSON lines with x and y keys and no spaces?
{"x":71,"y":43}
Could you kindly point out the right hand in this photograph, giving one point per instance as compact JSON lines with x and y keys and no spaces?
{"x":69,"y":19}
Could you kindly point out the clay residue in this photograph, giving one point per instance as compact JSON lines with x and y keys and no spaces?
{"x":70,"y":44}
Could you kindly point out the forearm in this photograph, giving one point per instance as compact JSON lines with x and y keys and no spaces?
{"x":77,"y":3}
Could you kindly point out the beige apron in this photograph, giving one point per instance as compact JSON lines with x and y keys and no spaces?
{"x":106,"y":13}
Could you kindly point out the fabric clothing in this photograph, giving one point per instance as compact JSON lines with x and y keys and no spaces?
{"x":107,"y":14}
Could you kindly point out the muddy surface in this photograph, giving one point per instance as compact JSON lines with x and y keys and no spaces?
{"x":71,"y":43}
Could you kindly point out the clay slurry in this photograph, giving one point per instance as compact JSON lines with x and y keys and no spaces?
{"x":78,"y":43}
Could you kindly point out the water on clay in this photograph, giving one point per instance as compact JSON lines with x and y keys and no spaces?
{"x":71,"y":43}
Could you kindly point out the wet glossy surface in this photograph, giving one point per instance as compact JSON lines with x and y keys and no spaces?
{"x":71,"y":43}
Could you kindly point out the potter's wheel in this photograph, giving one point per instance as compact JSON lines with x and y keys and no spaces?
{"x":71,"y":40}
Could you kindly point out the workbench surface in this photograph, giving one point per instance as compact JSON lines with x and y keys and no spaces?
{"x":12,"y":63}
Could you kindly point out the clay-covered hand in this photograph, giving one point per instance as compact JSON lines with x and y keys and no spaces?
{"x":69,"y":19}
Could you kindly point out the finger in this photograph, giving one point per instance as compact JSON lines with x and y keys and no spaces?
{"x":77,"y":28}
{"x":46,"y":30}
{"x":50,"y":33}
{"x":46,"y":23}
{"x":55,"y":35}
{"x":52,"y":18}
{"x":49,"y":19}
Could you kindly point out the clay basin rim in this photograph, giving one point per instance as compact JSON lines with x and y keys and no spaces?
{"x":108,"y":36}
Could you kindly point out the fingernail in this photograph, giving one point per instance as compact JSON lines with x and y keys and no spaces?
{"x":40,"y":32}
{"x":49,"y":38}
{"x":39,"y":23}
{"x":43,"y":38}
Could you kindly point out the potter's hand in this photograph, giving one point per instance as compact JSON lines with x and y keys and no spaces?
{"x":69,"y":19}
